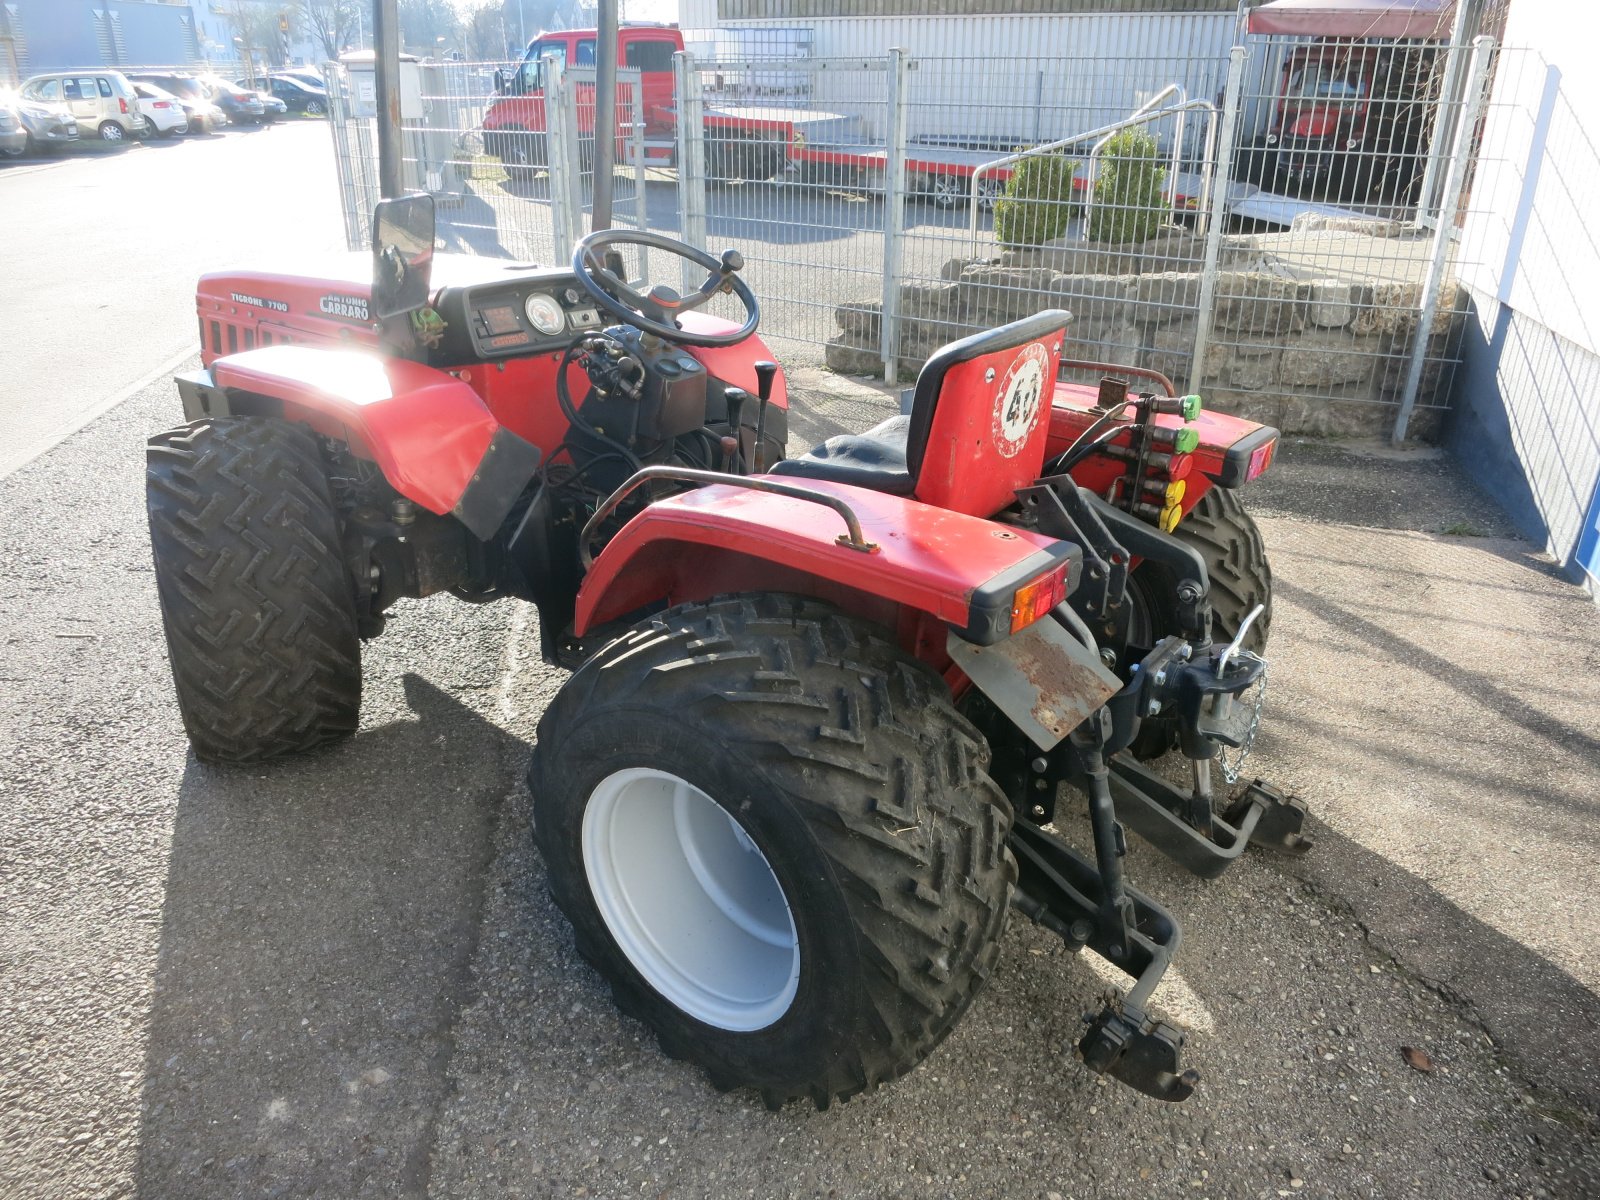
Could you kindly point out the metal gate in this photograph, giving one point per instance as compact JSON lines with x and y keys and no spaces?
{"x":522,"y":195}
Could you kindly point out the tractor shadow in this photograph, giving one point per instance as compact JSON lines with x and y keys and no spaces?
{"x":320,"y":919}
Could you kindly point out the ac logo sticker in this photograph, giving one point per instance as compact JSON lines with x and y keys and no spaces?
{"x":1018,"y":399}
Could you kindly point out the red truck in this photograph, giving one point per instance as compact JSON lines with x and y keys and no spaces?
{"x":744,"y":141}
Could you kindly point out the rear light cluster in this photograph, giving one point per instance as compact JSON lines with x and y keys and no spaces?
{"x":1260,"y":459}
{"x":122,"y":104}
{"x":1034,"y":599}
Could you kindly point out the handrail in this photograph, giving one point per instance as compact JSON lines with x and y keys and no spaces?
{"x":1177,"y":154}
{"x":854,"y":539}
{"x":1145,"y":112}
{"x":1085,"y":364}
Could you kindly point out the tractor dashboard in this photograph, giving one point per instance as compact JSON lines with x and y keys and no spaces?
{"x":533,"y":313}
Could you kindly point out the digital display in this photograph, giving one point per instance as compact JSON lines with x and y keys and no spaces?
{"x":501,"y":319}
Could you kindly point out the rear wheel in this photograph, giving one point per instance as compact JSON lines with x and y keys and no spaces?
{"x":110,"y":131}
{"x":315,"y":107}
{"x":256,"y":601}
{"x":522,"y":154}
{"x":774,"y":837}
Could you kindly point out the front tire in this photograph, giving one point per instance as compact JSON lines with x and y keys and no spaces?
{"x":782,"y":781}
{"x":256,"y":601}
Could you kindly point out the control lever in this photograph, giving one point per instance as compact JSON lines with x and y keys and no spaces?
{"x":766,"y":373}
{"x":732,"y":458}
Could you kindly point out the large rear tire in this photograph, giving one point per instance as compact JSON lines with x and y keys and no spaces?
{"x":1236,"y":560}
{"x":256,"y":601}
{"x":774,"y":836}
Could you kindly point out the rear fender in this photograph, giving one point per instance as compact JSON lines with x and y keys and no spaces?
{"x":430,"y":434}
{"x":1232,"y":452}
{"x":960,"y":570}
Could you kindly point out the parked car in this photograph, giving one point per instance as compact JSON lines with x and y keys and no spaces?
{"x":242,"y":107}
{"x":44,"y":125}
{"x":99,"y":99}
{"x":300,"y":94}
{"x":13,"y":133}
{"x":307,"y":75}
{"x":204,"y":116}
{"x":163,"y":112}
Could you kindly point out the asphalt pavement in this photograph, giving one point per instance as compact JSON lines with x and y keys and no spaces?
{"x":100,"y":249}
{"x":341,"y":975}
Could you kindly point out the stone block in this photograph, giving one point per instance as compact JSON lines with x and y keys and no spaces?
{"x":1166,"y":296}
{"x":1098,"y":299}
{"x":849,"y":359}
{"x":1321,"y":360}
{"x":935,"y":301}
{"x":862,"y":319}
{"x":1332,"y":303}
{"x":1248,"y":373}
{"x":996,"y":295}
{"x":1256,"y":302}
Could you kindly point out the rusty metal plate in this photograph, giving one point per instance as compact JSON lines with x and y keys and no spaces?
{"x":1043,"y":678}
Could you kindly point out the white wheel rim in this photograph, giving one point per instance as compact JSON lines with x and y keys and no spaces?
{"x":690,"y":899}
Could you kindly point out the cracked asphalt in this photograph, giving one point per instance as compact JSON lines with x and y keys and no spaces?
{"x":341,"y":975}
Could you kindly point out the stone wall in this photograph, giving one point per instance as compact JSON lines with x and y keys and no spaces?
{"x":1293,"y":344}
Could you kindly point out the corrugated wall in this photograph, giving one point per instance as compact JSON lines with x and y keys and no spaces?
{"x":1528,"y":406}
{"x":1007,"y":80}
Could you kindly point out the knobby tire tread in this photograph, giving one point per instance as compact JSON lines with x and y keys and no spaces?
{"x":865,"y":744}
{"x":256,"y":601}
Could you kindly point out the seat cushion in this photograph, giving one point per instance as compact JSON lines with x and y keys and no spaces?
{"x":875,"y":459}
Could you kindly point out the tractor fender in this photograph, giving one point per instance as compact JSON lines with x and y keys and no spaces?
{"x":432,"y":437}
{"x":733,"y":537}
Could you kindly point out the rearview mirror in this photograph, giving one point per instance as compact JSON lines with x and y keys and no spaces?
{"x":402,"y":254}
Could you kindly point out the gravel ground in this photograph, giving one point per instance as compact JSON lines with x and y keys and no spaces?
{"x":341,"y":976}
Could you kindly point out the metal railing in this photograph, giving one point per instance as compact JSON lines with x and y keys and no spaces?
{"x":1295,"y":281}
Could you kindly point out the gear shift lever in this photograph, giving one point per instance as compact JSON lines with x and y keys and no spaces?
{"x":766,"y":372}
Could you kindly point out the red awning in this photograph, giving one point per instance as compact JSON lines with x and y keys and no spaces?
{"x":1356,"y":18}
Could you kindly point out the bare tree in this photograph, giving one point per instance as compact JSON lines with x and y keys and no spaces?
{"x":333,"y":23}
{"x":485,"y":36}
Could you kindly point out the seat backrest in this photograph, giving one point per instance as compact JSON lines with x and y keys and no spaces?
{"x":980,"y":415}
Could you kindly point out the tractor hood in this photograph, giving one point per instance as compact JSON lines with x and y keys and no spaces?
{"x":320,"y":299}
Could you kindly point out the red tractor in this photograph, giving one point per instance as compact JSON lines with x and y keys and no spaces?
{"x":821,"y":708}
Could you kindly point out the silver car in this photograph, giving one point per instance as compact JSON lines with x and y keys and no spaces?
{"x":13,"y":133}
{"x":44,"y":126}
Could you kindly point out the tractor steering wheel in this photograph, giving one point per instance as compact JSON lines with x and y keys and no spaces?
{"x":655,"y":311}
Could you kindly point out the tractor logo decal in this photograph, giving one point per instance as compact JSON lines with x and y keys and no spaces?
{"x":258,"y":302}
{"x":1017,"y":402}
{"x":349,"y":308}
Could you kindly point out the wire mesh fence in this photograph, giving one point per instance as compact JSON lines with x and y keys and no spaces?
{"x":1272,"y":227}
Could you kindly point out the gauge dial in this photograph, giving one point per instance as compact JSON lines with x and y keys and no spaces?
{"x":544,"y":314}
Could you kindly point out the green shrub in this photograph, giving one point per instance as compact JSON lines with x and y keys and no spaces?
{"x":1037,"y":202}
{"x":1128,"y":205}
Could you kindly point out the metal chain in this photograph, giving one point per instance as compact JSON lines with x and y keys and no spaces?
{"x":1231,"y":770}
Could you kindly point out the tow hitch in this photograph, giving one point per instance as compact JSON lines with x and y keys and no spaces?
{"x":1087,"y":903}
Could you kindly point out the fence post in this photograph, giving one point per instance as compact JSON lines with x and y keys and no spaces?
{"x":1444,"y":230}
{"x":641,"y":213}
{"x":1226,"y":133}
{"x":561,"y":130}
{"x":894,"y":209}
{"x":1443,"y":132}
{"x":691,"y":161}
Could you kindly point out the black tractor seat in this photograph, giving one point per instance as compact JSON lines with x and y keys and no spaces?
{"x":875,"y":459}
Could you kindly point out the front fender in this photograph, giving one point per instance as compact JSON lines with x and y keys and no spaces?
{"x":432,"y":437}
{"x":730,"y":537}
